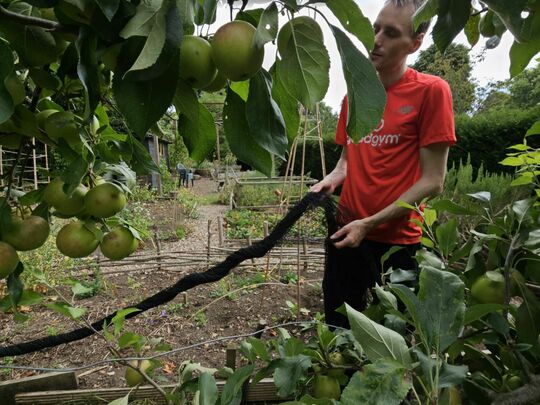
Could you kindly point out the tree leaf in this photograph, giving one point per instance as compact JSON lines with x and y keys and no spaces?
{"x":383,"y":382}
{"x":438,"y":311}
{"x":108,"y":7}
{"x":377,"y":341}
{"x":425,"y":13}
{"x":522,"y":51}
{"x":264,"y":117}
{"x":6,"y":67}
{"x":305,"y":64}
{"x":187,"y":11}
{"x":239,"y":137}
{"x":510,"y":14}
{"x":65,"y":309}
{"x":287,"y":104}
{"x":209,"y":8}
{"x":451,"y":207}
{"x":208,"y":389}
{"x":120,"y":401}
{"x":528,"y":318}
{"x":232,"y":390}
{"x":195,"y":123}
{"x":15,"y":285}
{"x":142,"y":102}
{"x":452,"y":16}
{"x":35,"y":46}
{"x":534,"y":130}
{"x":268,"y":26}
{"x":471,"y":30}
{"x":478,"y":311}
{"x":365,"y":112}
{"x":162,"y":43}
{"x":447,"y":236}
{"x":87,"y":69}
{"x":351,"y":18}
{"x":289,"y":372}
{"x":143,"y":21}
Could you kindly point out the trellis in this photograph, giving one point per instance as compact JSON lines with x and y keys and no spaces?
{"x":30,"y":176}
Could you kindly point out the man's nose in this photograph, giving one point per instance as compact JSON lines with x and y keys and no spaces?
{"x":378,"y":39}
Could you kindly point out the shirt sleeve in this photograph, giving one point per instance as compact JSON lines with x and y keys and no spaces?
{"x":341,"y":130}
{"x":436,"y":122}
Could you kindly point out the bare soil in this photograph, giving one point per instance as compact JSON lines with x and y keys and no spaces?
{"x":180,"y":323}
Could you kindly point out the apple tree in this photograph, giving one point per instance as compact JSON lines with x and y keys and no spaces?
{"x":68,"y":66}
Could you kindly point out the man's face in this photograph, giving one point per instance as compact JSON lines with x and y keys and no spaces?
{"x":394,"y":39}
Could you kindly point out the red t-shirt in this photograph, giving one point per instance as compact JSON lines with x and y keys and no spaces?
{"x":386,"y":163}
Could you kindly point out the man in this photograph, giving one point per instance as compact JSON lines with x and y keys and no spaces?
{"x":403,"y":159}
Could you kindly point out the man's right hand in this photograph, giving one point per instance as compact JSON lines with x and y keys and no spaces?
{"x":325,"y":186}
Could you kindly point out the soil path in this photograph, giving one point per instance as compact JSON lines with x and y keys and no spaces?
{"x":235,"y":305}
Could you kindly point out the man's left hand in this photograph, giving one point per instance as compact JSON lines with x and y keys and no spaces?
{"x":352,"y":234}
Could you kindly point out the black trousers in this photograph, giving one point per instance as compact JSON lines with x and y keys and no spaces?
{"x":351,"y":272}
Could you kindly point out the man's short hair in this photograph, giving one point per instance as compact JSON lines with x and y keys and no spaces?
{"x":423,"y":27}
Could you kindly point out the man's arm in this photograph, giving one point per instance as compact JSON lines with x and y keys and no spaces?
{"x":433,"y":160}
{"x":335,"y":178}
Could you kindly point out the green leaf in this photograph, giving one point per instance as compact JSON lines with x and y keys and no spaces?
{"x":512,"y":161}
{"x":65,"y":309}
{"x":510,"y":14}
{"x":142,"y":23}
{"x":210,"y":7}
{"x":87,"y":69}
{"x":528,"y":317}
{"x":364,"y":112}
{"x":451,"y":207}
{"x":471,"y":29}
{"x":534,"y":130}
{"x":258,"y":347}
{"x":35,"y":46}
{"x":438,"y":311}
{"x":288,"y":106}
{"x":239,"y":137}
{"x":79,"y":289}
{"x":478,"y":311}
{"x":186,"y":9}
{"x":162,"y":44}
{"x":241,"y":88}
{"x":208,"y":389}
{"x":121,"y":401}
{"x":15,"y":285}
{"x":289,"y":372}
{"x":484,"y":196}
{"x":142,"y":102}
{"x":452,"y":16}
{"x":195,"y":123}
{"x":305,"y":64}
{"x":130,"y":339}
{"x":383,"y":382}
{"x":447,"y":236}
{"x":141,"y":160}
{"x":108,"y":7}
{"x":232,"y":390}
{"x":425,"y":13}
{"x":268,"y":26}
{"x":264,"y":117}
{"x":452,"y":375}
{"x":377,"y":341}
{"x":351,"y":18}
{"x":6,"y":67}
{"x":27,"y":298}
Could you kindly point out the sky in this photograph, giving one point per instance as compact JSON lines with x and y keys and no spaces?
{"x":494,"y":66}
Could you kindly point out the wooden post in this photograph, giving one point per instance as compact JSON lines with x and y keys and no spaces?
{"x":209,"y":244}
{"x":230,"y":360}
{"x":220,"y":230}
{"x":47,"y":163}
{"x":158,"y":249}
{"x":34,"y":162}
{"x":1,"y":167}
{"x":155,"y":140}
{"x":249,"y":244}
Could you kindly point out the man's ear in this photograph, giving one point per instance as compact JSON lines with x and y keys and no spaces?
{"x":417,"y":42}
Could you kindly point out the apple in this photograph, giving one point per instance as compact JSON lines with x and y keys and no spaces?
{"x":62,"y":125}
{"x":67,"y":205}
{"x":28,"y":233}
{"x":76,"y":240}
{"x":104,"y":200}
{"x":118,"y":243}
{"x":196,"y":65}
{"x":9,"y":259}
{"x":217,"y":84}
{"x":133,"y":377}
{"x":233,"y":51}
